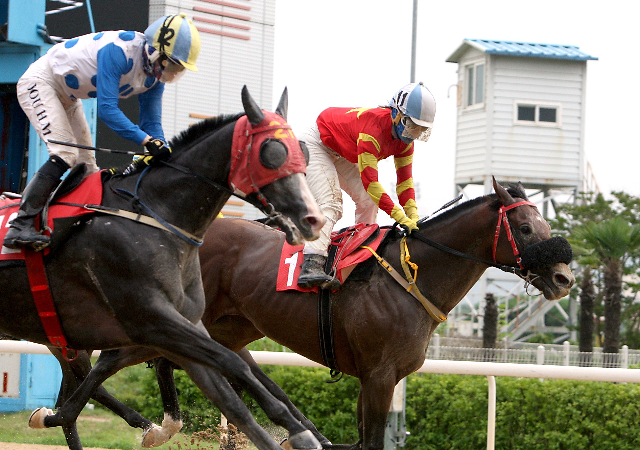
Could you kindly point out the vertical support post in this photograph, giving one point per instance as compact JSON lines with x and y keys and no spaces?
{"x":491,"y":419}
{"x":540,"y":355}
{"x":414,"y":33}
{"x":435,"y":340}
{"x":566,"y":348}
{"x":396,"y":431}
{"x":624,"y":364}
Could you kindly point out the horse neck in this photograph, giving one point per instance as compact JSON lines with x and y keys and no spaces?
{"x":445,"y":278}
{"x":187,"y":200}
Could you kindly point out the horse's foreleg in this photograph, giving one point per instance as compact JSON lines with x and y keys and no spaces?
{"x":172,"y":422}
{"x":278,"y":393}
{"x":376,"y":391}
{"x":217,"y":389}
{"x":109,"y":363}
{"x":182,"y":342}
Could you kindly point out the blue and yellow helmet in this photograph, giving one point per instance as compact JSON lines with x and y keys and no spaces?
{"x":175,"y":37}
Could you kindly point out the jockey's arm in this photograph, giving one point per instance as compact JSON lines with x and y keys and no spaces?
{"x":368,"y":165}
{"x":112,"y":64}
{"x":151,"y":111}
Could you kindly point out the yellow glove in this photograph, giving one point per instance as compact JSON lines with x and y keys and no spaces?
{"x":408,"y":224}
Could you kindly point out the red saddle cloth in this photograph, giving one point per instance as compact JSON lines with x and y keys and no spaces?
{"x":347,"y":249}
{"x":89,"y":192}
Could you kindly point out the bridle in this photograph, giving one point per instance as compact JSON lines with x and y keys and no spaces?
{"x":503,"y":219}
{"x":518,"y":270}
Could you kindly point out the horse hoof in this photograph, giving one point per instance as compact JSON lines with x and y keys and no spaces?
{"x":304,"y":440}
{"x":156,"y":435}
{"x":36,"y":419}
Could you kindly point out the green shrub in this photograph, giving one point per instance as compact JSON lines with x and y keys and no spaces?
{"x":443,"y":411}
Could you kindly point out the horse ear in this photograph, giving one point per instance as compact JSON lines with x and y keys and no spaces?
{"x":251,"y":108}
{"x":283,"y":105}
{"x":502,"y":193}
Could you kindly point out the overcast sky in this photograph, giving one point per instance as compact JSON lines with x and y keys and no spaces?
{"x":358,"y":53}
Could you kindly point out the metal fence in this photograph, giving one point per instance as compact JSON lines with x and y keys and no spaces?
{"x":526,"y":353}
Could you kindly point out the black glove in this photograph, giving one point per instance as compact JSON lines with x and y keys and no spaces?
{"x":159,"y":150}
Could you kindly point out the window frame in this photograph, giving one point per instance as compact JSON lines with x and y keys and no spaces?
{"x":467,"y":87}
{"x":537,"y":105}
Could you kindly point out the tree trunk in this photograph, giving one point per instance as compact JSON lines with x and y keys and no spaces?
{"x":490,"y":327}
{"x":612,"y":304}
{"x":587,"y":300}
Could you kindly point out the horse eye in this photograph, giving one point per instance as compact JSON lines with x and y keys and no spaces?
{"x":273,"y":153}
{"x":525,"y":228}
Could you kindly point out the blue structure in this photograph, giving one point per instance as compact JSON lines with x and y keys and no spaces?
{"x":529,"y":49}
{"x":39,"y":383}
{"x":22,"y":152}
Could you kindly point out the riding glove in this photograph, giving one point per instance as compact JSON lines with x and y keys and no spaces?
{"x":408,"y":224}
{"x":158,"y":149}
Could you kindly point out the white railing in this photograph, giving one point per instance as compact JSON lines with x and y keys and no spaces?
{"x":488,"y":369}
{"x":549,"y":354}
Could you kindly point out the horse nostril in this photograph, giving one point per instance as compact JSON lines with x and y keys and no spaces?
{"x":562,"y":281}
{"x":314,"y":221}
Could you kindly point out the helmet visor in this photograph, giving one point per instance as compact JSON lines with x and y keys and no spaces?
{"x":414,"y":131}
{"x":172,"y":71}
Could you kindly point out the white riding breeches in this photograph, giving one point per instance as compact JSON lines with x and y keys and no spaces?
{"x":55,"y":116}
{"x":328,"y":174}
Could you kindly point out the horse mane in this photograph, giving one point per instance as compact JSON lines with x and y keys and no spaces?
{"x":201,"y":129}
{"x":516,"y":191}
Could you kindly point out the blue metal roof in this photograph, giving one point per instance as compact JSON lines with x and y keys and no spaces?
{"x":512,"y":48}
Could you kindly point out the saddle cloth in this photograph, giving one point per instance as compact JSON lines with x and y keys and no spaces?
{"x":89,"y":192}
{"x":345,"y":244}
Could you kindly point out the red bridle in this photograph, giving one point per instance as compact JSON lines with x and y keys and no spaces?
{"x":502,"y":217}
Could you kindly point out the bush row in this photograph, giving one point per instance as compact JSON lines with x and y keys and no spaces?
{"x":443,"y":411}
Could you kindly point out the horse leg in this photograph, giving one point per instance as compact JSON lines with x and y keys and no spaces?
{"x":278,"y":393}
{"x":108,"y":363}
{"x":183,"y":342}
{"x":376,"y":392}
{"x":221,"y":393}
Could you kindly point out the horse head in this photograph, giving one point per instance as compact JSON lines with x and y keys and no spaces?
{"x":543,"y":260}
{"x":267,"y":162}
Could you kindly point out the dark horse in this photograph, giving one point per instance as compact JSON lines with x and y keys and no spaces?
{"x":118,"y":283}
{"x":381,"y":332}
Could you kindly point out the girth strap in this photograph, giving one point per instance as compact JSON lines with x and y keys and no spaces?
{"x":43,"y":300}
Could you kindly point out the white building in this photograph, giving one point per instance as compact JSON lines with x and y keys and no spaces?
{"x":520,"y":117}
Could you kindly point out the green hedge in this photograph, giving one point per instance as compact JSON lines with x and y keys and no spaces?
{"x":443,"y":411}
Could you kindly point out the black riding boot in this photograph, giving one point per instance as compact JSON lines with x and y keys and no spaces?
{"x":312,"y":273}
{"x":22,"y":232}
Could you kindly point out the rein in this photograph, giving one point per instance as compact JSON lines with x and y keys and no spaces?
{"x":502,"y":218}
{"x":405,"y":260}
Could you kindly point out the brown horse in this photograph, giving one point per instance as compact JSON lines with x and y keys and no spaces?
{"x":381,"y":333}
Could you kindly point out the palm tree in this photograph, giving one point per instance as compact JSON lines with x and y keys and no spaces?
{"x":612,"y":242}
{"x":587,"y":300}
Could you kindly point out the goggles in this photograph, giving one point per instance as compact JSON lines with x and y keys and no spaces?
{"x":414,"y":131}
{"x":172,"y":70}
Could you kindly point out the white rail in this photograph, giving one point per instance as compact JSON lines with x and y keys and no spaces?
{"x":488,"y":369}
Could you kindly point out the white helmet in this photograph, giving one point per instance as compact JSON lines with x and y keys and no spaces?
{"x":416,"y":101}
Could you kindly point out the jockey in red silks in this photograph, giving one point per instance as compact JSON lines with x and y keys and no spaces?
{"x":345,"y":146}
{"x":108,"y":66}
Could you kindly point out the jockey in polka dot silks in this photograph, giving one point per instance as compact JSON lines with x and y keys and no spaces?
{"x":108,"y":66}
{"x":345,"y":146}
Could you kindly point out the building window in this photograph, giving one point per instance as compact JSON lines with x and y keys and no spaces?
{"x":475,"y":84}
{"x":537,"y":114}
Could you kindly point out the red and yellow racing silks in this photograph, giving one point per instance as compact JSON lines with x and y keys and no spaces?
{"x":363,"y":136}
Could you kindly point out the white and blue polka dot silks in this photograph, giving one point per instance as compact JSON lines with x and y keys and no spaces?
{"x":108,"y":66}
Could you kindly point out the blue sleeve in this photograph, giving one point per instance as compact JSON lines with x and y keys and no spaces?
{"x":112,"y":64}
{"x":151,"y":111}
